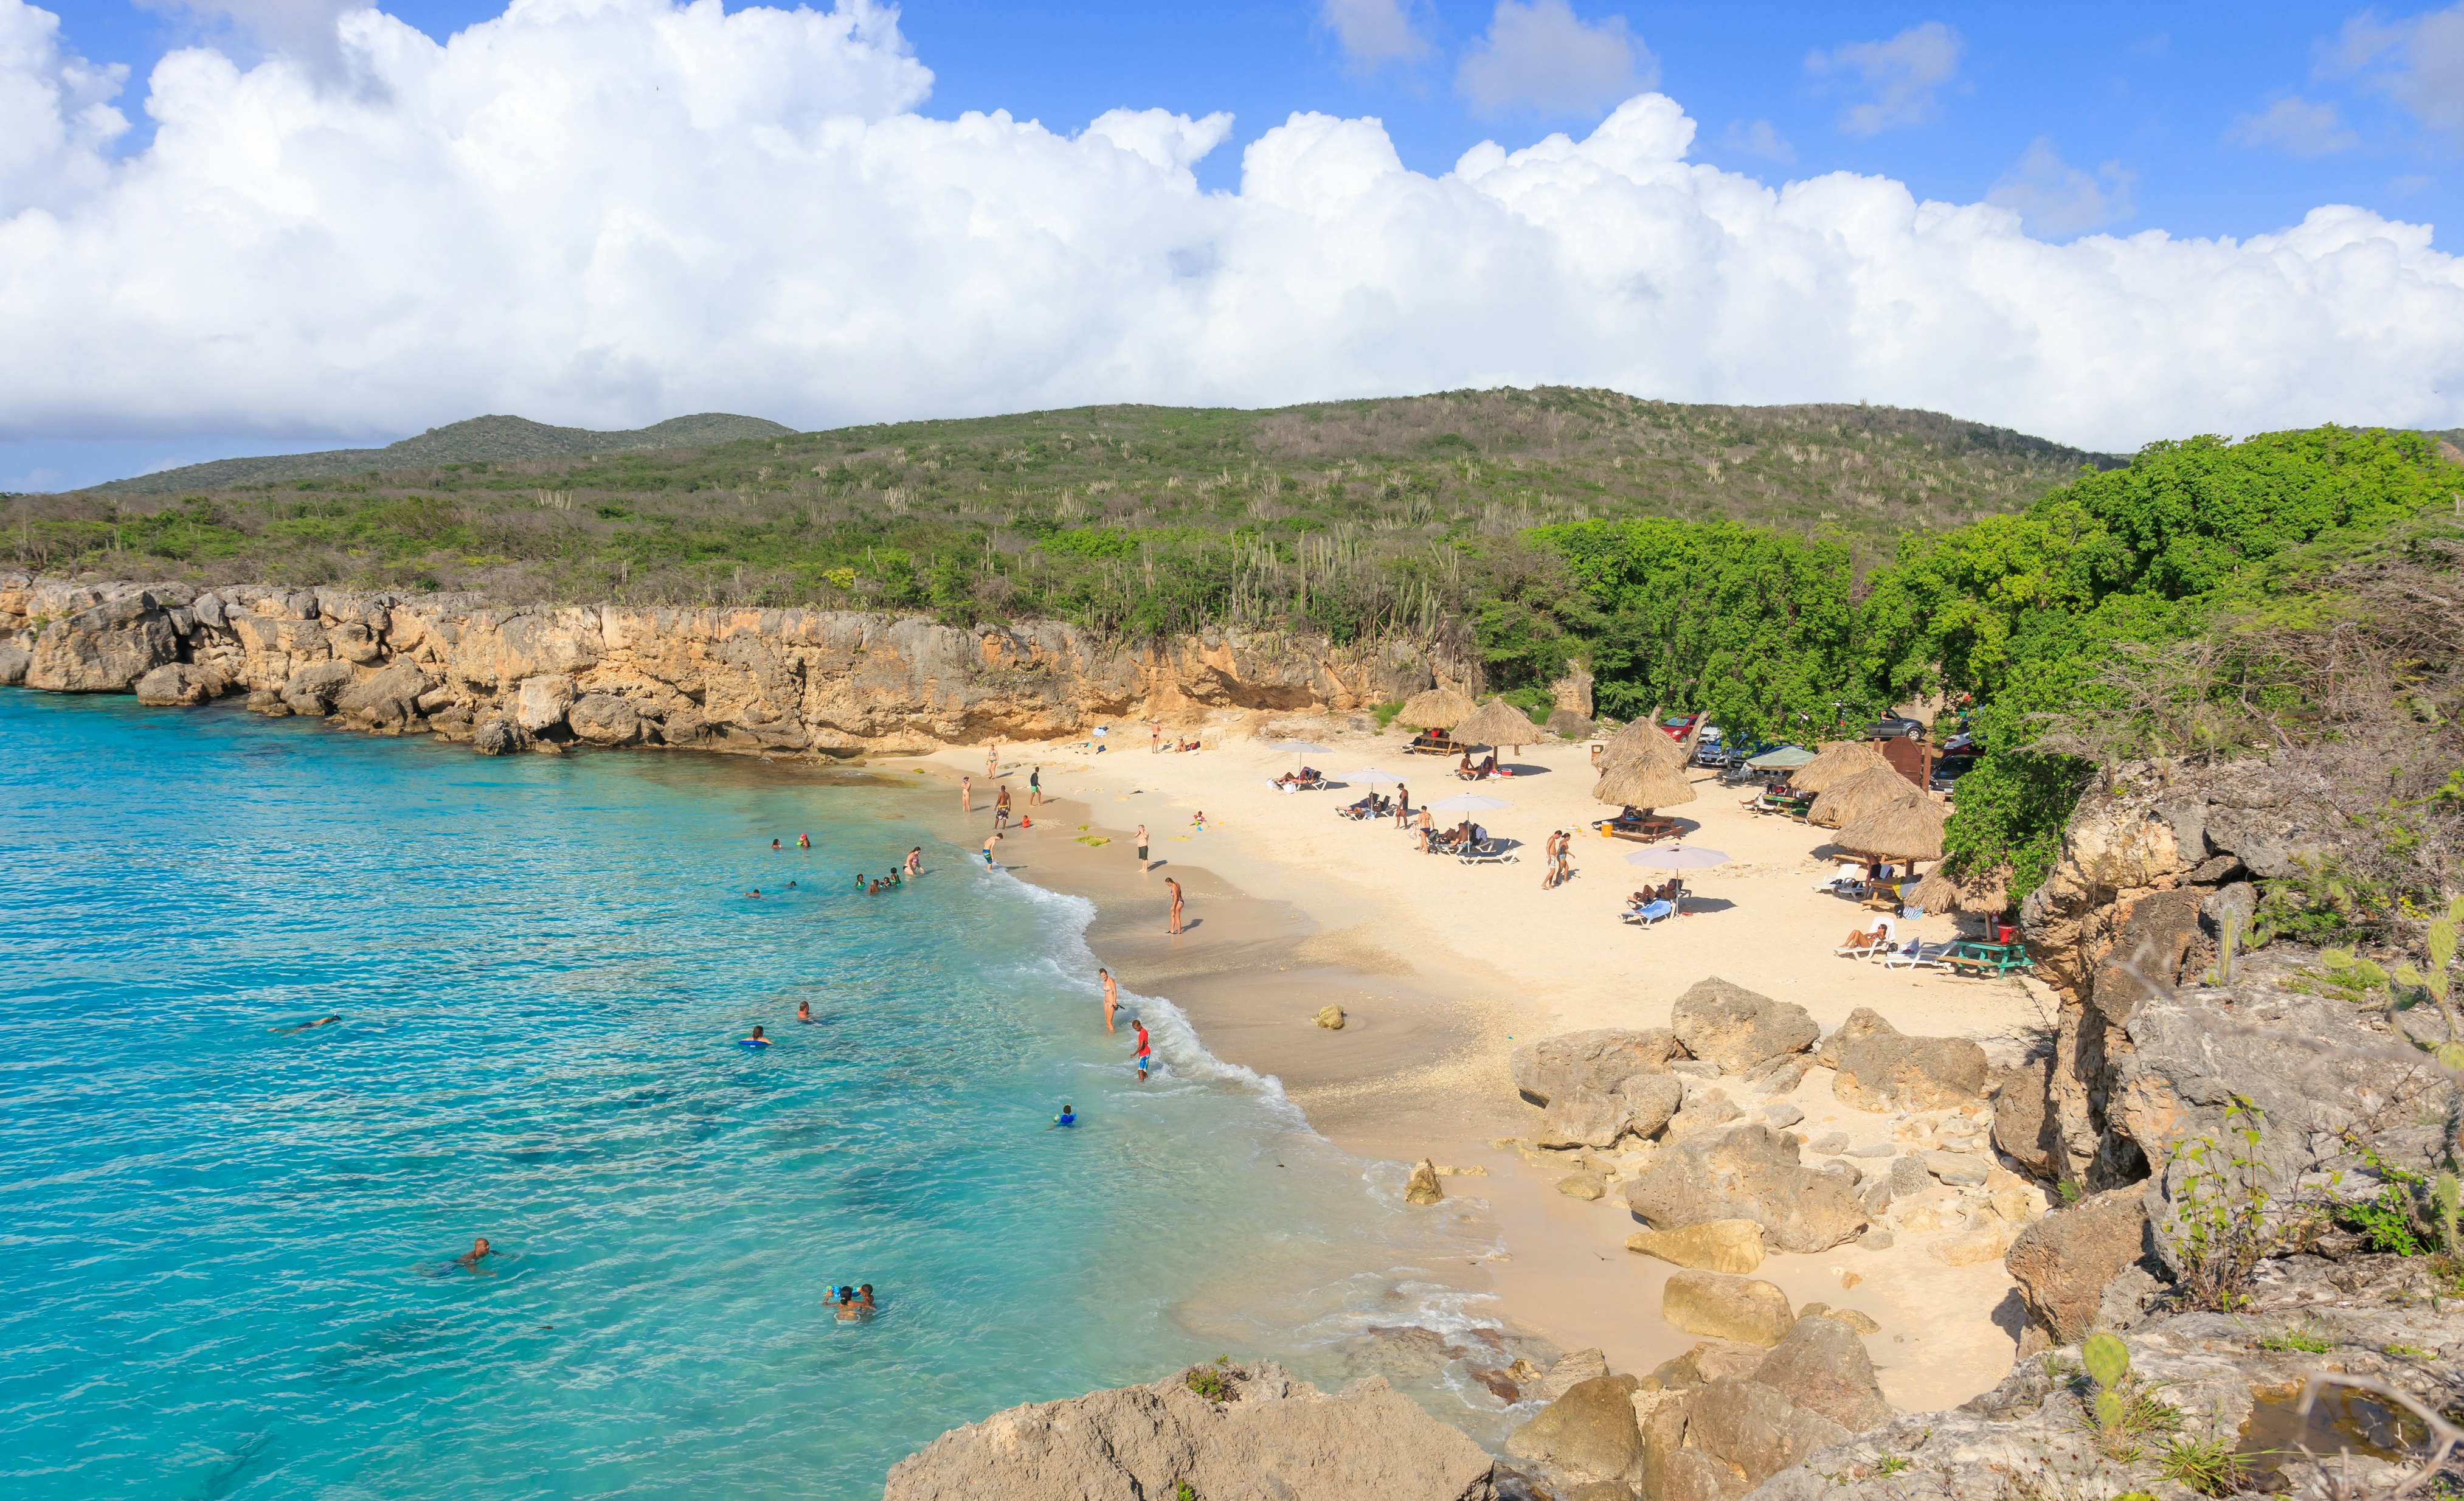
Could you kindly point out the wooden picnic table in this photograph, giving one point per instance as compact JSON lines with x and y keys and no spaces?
{"x":1984,"y":960}
{"x":1642,"y":831}
{"x":1442,"y":745}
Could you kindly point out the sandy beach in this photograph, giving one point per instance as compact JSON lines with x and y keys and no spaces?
{"x":1441,"y":969}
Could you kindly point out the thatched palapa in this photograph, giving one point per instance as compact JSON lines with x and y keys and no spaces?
{"x":1497,"y":722}
{"x":1644,"y":783}
{"x":1436,"y":709}
{"x":1983,"y":893}
{"x":1642,"y":741}
{"x":1852,"y":797}
{"x":1906,"y":831}
{"x":1840,"y":759}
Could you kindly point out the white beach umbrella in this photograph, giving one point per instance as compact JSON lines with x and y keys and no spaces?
{"x":1299,"y":748}
{"x":1469,"y":802}
{"x":1677,"y":857}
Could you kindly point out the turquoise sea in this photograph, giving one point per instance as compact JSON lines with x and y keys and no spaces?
{"x":226,"y":1250}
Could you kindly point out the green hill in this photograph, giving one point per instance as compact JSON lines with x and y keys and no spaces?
{"x":480,"y":439}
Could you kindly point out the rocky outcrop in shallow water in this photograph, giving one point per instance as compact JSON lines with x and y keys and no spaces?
{"x":506,"y":677}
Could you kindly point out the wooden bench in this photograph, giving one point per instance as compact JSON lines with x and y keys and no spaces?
{"x":1641,"y":830}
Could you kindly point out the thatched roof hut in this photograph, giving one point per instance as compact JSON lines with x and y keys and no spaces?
{"x":1838,"y":759}
{"x":1497,"y":722}
{"x":1984,"y":892}
{"x":1642,"y":740}
{"x":1436,"y":709}
{"x":1859,"y":793}
{"x":1636,"y":783}
{"x":1906,"y":831}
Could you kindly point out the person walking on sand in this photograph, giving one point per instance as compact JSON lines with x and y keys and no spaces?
{"x":992,"y":759}
{"x":1111,"y":996}
{"x":1143,"y":864}
{"x":1155,"y":741}
{"x":1035,"y":787}
{"x":1402,"y":806}
{"x":1175,"y":887}
{"x":1001,"y":809}
{"x":966,"y":794}
{"x":1145,"y":1053}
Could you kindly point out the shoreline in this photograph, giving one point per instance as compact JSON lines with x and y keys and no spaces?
{"x":1420,"y":1068}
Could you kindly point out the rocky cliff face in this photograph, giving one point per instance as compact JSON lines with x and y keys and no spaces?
{"x":751,"y":681}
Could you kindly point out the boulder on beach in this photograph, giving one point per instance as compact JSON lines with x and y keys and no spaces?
{"x":1589,"y":1432}
{"x":1747,"y":1173}
{"x":1743,"y":1309}
{"x":1602,"y":1060}
{"x":1423,"y":1187}
{"x":1585,"y":1116}
{"x":541,"y":702}
{"x":1254,"y":1431}
{"x":179,"y":685}
{"x":312,"y":690}
{"x":1822,"y":1365}
{"x":2064,"y":1260}
{"x":1756,"y":1429}
{"x":1881,"y":1069}
{"x":605,"y":720}
{"x":1723,"y":1022}
{"x":103,"y":649}
{"x":2024,"y":1127}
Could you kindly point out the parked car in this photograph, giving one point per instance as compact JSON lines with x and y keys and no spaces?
{"x":1679,"y":726}
{"x":1892,"y":728}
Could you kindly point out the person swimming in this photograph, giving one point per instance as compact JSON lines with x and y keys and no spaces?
{"x":850,"y":1310}
{"x":756,"y":1040}
{"x":1068,"y":1116}
{"x":875,"y":889}
{"x":756,"y":892}
{"x":774,"y":844}
{"x":804,"y":841}
{"x":306,"y":1026}
{"x":859,"y":880}
{"x":480,"y":1250}
{"x":803,"y":1010}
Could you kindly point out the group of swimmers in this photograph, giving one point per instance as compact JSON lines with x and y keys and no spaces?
{"x":912,"y":866}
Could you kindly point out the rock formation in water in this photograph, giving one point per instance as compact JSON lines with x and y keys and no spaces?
{"x":506,"y":677}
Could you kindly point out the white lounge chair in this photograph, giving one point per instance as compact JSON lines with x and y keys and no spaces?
{"x":1649,"y":913}
{"x":1918,"y":956}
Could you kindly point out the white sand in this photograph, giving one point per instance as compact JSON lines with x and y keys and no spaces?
{"x":1532,"y":962}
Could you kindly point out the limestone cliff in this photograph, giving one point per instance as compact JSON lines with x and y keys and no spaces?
{"x":508,"y":678}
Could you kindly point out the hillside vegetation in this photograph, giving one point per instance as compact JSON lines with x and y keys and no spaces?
{"x":478,"y":440}
{"x":1342,"y":517}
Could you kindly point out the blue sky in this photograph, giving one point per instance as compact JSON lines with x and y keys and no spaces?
{"x":2196,"y":120}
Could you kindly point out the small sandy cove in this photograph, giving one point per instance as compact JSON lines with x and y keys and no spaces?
{"x":1442,"y":967}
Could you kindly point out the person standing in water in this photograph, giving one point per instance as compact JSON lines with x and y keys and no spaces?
{"x":1142,"y":849}
{"x":991,"y":845}
{"x":1111,"y":996}
{"x":804,"y":841}
{"x":1175,"y":886}
{"x":915,"y":861}
{"x":803,"y":1010}
{"x":966,"y":794}
{"x":1145,"y":1053}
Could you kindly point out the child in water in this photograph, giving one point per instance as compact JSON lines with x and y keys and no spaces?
{"x":1068,"y":1116}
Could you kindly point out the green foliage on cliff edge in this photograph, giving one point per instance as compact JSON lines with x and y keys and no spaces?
{"x":2168,"y":608}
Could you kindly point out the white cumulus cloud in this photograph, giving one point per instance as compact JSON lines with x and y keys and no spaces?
{"x":1543,"y":57}
{"x":1372,"y":32}
{"x":1902,"y":73}
{"x":608,"y":212}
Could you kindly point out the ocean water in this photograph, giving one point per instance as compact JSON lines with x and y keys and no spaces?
{"x":226,"y":1250}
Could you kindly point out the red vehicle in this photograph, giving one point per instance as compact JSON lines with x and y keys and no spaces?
{"x":1681,"y":726}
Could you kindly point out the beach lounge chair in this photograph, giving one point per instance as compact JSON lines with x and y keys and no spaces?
{"x":1862,"y":950}
{"x":1918,"y":956}
{"x":1488,"y":851}
{"x":1649,"y":913}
